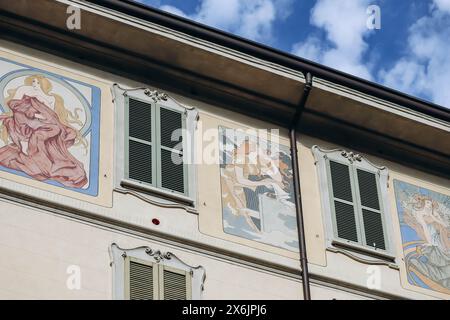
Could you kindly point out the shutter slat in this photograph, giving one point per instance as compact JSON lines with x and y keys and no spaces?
{"x":174,"y":286}
{"x":346,"y":221}
{"x":172,"y":174}
{"x":372,"y":220}
{"x":170,"y":122}
{"x":139,"y":153}
{"x":368,"y":189}
{"x":373,"y":228}
{"x":140,"y":120}
{"x":340,"y":176}
{"x":141,"y":281}
{"x":140,"y":161}
{"x":346,"y":224}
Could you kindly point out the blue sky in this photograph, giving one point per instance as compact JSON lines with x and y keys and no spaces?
{"x":410,"y":52}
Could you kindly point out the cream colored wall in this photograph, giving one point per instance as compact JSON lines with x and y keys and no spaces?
{"x":127,"y":207}
{"x":320,"y":292}
{"x":37,"y":247}
{"x":53,"y":242}
{"x":338,"y":266}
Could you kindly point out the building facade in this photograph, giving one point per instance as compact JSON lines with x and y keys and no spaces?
{"x":143,"y":156}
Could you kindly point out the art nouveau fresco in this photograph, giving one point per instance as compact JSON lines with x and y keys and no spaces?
{"x":425,"y":228}
{"x":49,"y":127}
{"x":257,"y":190}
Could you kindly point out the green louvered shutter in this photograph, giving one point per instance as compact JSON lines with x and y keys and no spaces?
{"x":343,"y":202}
{"x":140,"y":141}
{"x":176,"y":284}
{"x":142,"y":281}
{"x":171,"y":172}
{"x":371,"y":210}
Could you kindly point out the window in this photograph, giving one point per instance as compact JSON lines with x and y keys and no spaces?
{"x":154,"y":145}
{"x":145,"y":274}
{"x":150,"y":281}
{"x":353,"y":192}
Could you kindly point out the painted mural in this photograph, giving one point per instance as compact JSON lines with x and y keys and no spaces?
{"x":49,"y":127}
{"x":425,"y":228}
{"x":257,"y":190}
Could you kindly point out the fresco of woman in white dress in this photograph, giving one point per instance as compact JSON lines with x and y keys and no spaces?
{"x":38,"y":132}
{"x":425,"y":224}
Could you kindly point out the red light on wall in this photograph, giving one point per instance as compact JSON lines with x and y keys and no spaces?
{"x":155,"y":221}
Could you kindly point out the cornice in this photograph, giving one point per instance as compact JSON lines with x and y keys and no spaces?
{"x":160,"y":257}
{"x":351,"y":156}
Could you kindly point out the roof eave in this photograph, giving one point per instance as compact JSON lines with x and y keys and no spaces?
{"x":273,"y":55}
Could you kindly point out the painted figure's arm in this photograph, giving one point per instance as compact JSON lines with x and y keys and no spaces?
{"x":426,"y":232}
{"x":248,"y":183}
{"x":49,"y":101}
{"x":20,"y":92}
{"x":437,"y":218}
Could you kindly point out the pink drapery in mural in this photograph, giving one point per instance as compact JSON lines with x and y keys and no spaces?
{"x":48,"y":141}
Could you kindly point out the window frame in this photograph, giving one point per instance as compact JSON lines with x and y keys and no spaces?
{"x":354,"y":162}
{"x":159,"y":147}
{"x":127,"y":276}
{"x":160,"y":261}
{"x":381,"y":211}
{"x":161,"y":280}
{"x":157,"y":100}
{"x":127,"y":138}
{"x":333,"y":207}
{"x":155,"y":144}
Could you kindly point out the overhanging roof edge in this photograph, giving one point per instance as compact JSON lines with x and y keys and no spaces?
{"x":273,"y":55}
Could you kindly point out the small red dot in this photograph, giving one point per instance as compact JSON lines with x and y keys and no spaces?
{"x":155,"y":221}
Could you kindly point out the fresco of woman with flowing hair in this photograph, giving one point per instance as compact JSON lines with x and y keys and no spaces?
{"x":425,"y":226}
{"x":38,"y":132}
{"x":257,"y":193}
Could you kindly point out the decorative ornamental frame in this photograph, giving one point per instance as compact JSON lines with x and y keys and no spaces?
{"x":151,"y":256}
{"x":334,"y":244}
{"x":190,"y":116}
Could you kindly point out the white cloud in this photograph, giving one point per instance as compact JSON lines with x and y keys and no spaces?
{"x":312,"y":49}
{"x":252,"y":19}
{"x":405,"y":75}
{"x":425,"y":69}
{"x":153,"y":3}
{"x":344,"y":23}
{"x":443,"y":5}
{"x":173,"y":10}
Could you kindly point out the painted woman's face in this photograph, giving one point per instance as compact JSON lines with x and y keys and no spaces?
{"x":36,"y":84}
{"x":428,"y":204}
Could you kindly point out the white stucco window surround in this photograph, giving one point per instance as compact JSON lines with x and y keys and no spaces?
{"x":354,"y":201}
{"x":151,"y":128}
{"x":158,"y":263}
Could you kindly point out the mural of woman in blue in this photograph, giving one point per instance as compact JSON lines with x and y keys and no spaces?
{"x":425,"y":221}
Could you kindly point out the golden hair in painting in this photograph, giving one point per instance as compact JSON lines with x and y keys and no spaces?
{"x":65,"y":116}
